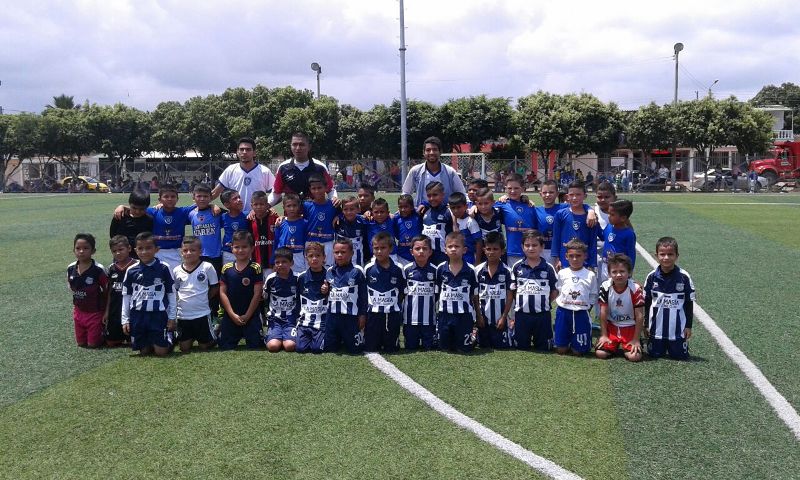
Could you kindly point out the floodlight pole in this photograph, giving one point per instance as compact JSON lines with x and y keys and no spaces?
{"x":403,"y":105}
{"x":317,"y":68}
{"x":677,"y":48}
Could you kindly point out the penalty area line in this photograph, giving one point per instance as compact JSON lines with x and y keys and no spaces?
{"x":489,"y":436}
{"x":778,"y":402}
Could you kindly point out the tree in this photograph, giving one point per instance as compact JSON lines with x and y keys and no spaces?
{"x":747,"y":128}
{"x":474,"y":120}
{"x":788,"y":95}
{"x":267,"y":109}
{"x":295,"y":119}
{"x":649,"y":129}
{"x":121,"y":132}
{"x":170,"y":132}
{"x":422,"y":121}
{"x":352,"y":138}
{"x":547,"y":124}
{"x":326,"y":112}
{"x":700,"y":124}
{"x":600,"y":124}
{"x":63,"y":102}
{"x":208,"y":130}
{"x":64,"y":138}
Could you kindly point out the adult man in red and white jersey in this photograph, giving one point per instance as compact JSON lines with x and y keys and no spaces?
{"x":293,"y":174}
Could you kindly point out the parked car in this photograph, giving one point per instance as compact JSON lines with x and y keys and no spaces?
{"x":83,"y":183}
{"x":699,"y":182}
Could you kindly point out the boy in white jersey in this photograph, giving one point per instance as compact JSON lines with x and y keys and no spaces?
{"x":196,"y":282}
{"x":577,"y":286}
{"x":621,"y":303}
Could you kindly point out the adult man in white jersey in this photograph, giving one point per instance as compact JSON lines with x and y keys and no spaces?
{"x":245,"y":177}
{"x":419,"y":176}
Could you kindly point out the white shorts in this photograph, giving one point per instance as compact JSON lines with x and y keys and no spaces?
{"x":170,"y":256}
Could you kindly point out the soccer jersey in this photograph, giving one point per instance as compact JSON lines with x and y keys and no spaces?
{"x":257,"y":178}
{"x":669,"y":303}
{"x":517,"y":218}
{"x":208,"y":228}
{"x":89,"y":288}
{"x":281,"y":298}
{"x":494,"y":290}
{"x":240,"y":286}
{"x":356,"y":231}
{"x":129,"y":227}
{"x":313,"y":304}
{"x":169,"y":227}
{"x":577,"y":289}
{"x":568,"y":226}
{"x":493,"y":224}
{"x":263,"y":230}
{"x":348,"y":290}
{"x":472,"y":234}
{"x":545,"y":218}
{"x":373,"y":228}
{"x":191,"y":288}
{"x":148,"y":288}
{"x":290,"y":178}
{"x":385,"y":287}
{"x":115,"y":277}
{"x":320,"y":221}
{"x":230,"y":224}
{"x":456,"y":290}
{"x":602,"y":223}
{"x":437,"y":222}
{"x":406,"y":228}
{"x":534,"y":285}
{"x":420,"y":301}
{"x":619,"y":240}
{"x":621,"y":305}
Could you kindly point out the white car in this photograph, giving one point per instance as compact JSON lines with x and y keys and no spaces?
{"x":699,"y":181}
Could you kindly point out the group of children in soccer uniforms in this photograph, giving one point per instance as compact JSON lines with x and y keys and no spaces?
{"x":326,"y":278}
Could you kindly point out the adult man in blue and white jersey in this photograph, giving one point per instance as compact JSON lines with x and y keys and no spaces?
{"x":433,"y":170}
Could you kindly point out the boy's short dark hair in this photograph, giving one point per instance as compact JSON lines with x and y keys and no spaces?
{"x":316,"y":178}
{"x":368,"y":187}
{"x":314,"y":246}
{"x":227,"y":195}
{"x":144,"y":237}
{"x":667,"y":242}
{"x":456,"y":235}
{"x":405,"y":198}
{"x":495,"y":238}
{"x":247,"y":140}
{"x":380,"y":202}
{"x":243,"y":235}
{"x":576,"y":244}
{"x":484,"y":192}
{"x":623,"y":207}
{"x":344,"y":241}
{"x":202,"y":188}
{"x":457,"y":199}
{"x":383,"y":237}
{"x":422,"y":238}
{"x":118,"y":240}
{"x":191,"y":240}
{"x":285,"y":254}
{"x":619,"y":259}
{"x":139,"y":198}
{"x":348,"y":199}
{"x":607,"y":187}
{"x":291,"y":197}
{"x":479,"y":183}
{"x":434,"y":186}
{"x":577,"y":184}
{"x":533,"y":234}
{"x":550,"y":183}
{"x":515,"y":177}
{"x":85,"y":236}
{"x":433,"y":141}
{"x":167,"y":188}
{"x":258,"y":195}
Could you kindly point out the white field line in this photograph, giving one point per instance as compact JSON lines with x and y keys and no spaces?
{"x":17,"y":196}
{"x":491,"y":437}
{"x":723,"y":204}
{"x":782,"y":407}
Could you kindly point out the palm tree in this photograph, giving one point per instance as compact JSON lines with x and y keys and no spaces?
{"x":64,"y":102}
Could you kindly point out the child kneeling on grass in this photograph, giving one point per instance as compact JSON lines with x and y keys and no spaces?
{"x":621,"y":303}
{"x":89,"y":284}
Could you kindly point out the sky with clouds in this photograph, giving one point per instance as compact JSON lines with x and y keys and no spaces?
{"x":142,"y":52}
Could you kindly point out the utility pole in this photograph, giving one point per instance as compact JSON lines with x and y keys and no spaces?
{"x":677,"y":47}
{"x":403,"y":105}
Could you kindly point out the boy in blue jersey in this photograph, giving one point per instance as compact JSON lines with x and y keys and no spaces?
{"x":459,"y":306}
{"x":437,"y":222}
{"x":232,"y":220}
{"x":518,"y":216}
{"x":535,"y":291}
{"x":385,"y":290}
{"x":207,"y":227}
{"x":133,"y":220}
{"x":419,"y":309}
{"x":606,"y":194}
{"x":347,"y":301}
{"x":196,"y":284}
{"x":149,"y":306}
{"x":291,"y":232}
{"x":313,"y":290}
{"x":467,"y":226}
{"x":351,"y":225}
{"x":546,"y":215}
{"x":240,"y":296}
{"x":282,"y":303}
{"x":380,"y":223}
{"x":618,"y":236}
{"x":496,"y":284}
{"x":571,"y":224}
{"x":320,"y":212}
{"x":578,"y":289}
{"x":407,"y":225}
{"x":669,"y":297}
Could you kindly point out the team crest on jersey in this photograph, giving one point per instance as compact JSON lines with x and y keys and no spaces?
{"x":321,"y":217}
{"x":543,"y":274}
{"x":168,"y":220}
{"x":611,"y":237}
{"x":372,"y":279}
{"x":293,"y":290}
{"x":464,"y":282}
{"x":440,"y":217}
{"x":247,"y":180}
{"x":393,"y":281}
{"x":576,"y":225}
{"x":655,"y":284}
{"x":201,"y":218}
{"x":201,"y":277}
{"x":408,"y":224}
{"x":351,"y":281}
{"x":549,"y":219}
{"x":157,"y":281}
{"x":90,"y":281}
{"x":574,"y":294}
{"x":575,"y":279}
{"x":292,"y":229}
{"x":430,"y":276}
{"x":519,"y":210}
{"x":245,"y":281}
{"x":235,"y":226}
{"x":619,"y":302}
{"x":501,"y":278}
{"x":678,"y":286}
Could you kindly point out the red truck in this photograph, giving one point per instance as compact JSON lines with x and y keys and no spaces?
{"x":783,"y":162}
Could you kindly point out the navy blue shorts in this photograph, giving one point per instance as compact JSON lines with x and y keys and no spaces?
{"x":573,"y":329}
{"x":419,"y":334}
{"x":533,"y":325}
{"x":281,"y":331}
{"x":490,"y":337}
{"x":200,"y":329}
{"x":383,"y":332}
{"x":659,"y":347}
{"x":455,"y":331}
{"x":149,"y":329}
{"x":230,"y":334}
{"x":343,"y":329}
{"x":310,"y":339}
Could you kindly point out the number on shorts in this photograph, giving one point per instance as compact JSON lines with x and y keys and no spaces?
{"x":582,"y":339}
{"x":294,"y":332}
{"x":467,"y":340}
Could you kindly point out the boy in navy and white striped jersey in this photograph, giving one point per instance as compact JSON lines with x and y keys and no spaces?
{"x":536,"y":289}
{"x":458,"y":299}
{"x":385,"y":289}
{"x":489,"y":218}
{"x":496,"y":283}
{"x":347,"y":301}
{"x":313,"y":291}
{"x":282,"y":304}
{"x":468,"y":226}
{"x":437,"y":221}
{"x":669,"y":297}
{"x":148,"y":300}
{"x":419,"y":307}
{"x":353,"y":226}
